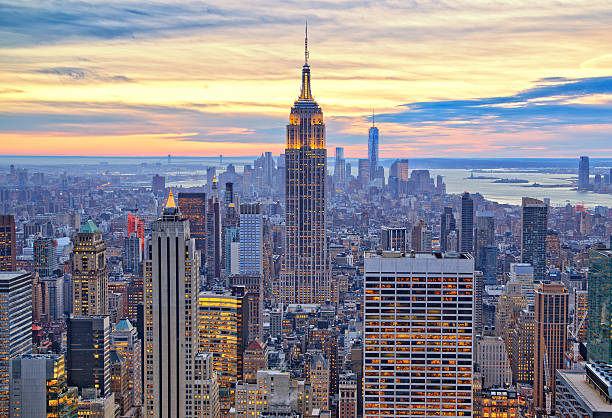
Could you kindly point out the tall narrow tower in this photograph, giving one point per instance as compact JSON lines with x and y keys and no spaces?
{"x":171,"y":306}
{"x":373,"y":149}
{"x":305,"y":277}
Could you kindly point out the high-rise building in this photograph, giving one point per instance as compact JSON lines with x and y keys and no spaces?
{"x":132,"y":254}
{"x":373,"y":150}
{"x":253,"y":303}
{"x":485,"y":237}
{"x":171,"y":317}
{"x":393,"y":239}
{"x":39,"y":387}
{"x":8,"y":251}
{"x":88,"y":353}
{"x":599,"y":321}
{"x":417,"y":359}
{"x":533,"y":236}
{"x":500,"y":403}
{"x":90,"y":279}
{"x":305,"y":277}
{"x":255,"y":358}
{"x":45,"y":259}
{"x":207,"y":386}
{"x":193,"y":207}
{"x":400,"y":170}
{"x":447,"y":224}
{"x":522,"y":347}
{"x":124,"y":340}
{"x":466,"y":243}
{"x":251,"y":239}
{"x":222,"y":332}
{"x":550,"y":339}
{"x":158,"y":185}
{"x":583,"y":173}
{"x":363,"y":171}
{"x":213,"y":238}
{"x":347,"y":396}
{"x":15,"y":327}
{"x":53,"y":296}
{"x":493,"y":362}
{"x":340,"y":168}
{"x":119,"y":382}
{"x":522,"y":273}
{"x":232,"y":250}
{"x":580,"y":322}
{"x":319,"y":380}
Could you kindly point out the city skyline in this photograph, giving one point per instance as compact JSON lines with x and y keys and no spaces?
{"x":212,"y":79}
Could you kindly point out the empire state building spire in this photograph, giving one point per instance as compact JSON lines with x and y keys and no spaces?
{"x":306,"y":93}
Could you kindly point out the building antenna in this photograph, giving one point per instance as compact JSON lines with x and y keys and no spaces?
{"x":306,"y":44}
{"x":372,"y":117}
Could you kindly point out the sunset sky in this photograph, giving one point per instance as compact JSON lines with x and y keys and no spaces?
{"x":446,"y":78}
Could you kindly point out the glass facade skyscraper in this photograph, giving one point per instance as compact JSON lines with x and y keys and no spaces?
{"x":599,"y":317}
{"x":533,"y":236}
{"x":373,"y":149}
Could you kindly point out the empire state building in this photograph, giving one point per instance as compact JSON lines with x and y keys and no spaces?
{"x":305,"y":277}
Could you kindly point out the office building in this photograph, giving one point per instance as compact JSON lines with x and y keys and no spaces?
{"x":253,"y":303}
{"x":45,"y":259}
{"x":124,"y":340}
{"x":393,"y":239}
{"x":319,"y":380}
{"x":533,"y":236}
{"x":340,"y":168}
{"x":466,"y":239}
{"x":363,"y":171}
{"x":584,"y":393}
{"x":39,"y":387}
{"x":599,"y":320}
{"x":251,"y":240}
{"x":52,"y":293}
{"x":88,"y":353}
{"x":373,"y":150}
{"x":222,"y":332}
{"x":193,"y":207}
{"x":90,"y":278}
{"x":255,"y":358}
{"x":8,"y":251}
{"x":583,"y":174}
{"x":15,"y":326}
{"x":580,"y":319}
{"x":305,"y":277}
{"x":132,"y":254}
{"x":158,"y":185}
{"x":550,"y":340}
{"x":347,"y":396}
{"x":207,"y":386}
{"x":485,"y":237}
{"x":400,"y":170}
{"x":417,"y":359}
{"x":119,"y":382}
{"x":493,"y":362}
{"x":232,"y":250}
{"x":170,"y":316}
{"x":522,"y":273}
{"x":447,"y":225}
{"x":213,"y":238}
{"x":499,"y":403}
{"x":522,"y":347}
{"x":92,"y":404}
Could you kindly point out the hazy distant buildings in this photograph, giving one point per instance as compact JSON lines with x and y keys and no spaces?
{"x":305,"y":277}
{"x":466,"y":243}
{"x":373,"y":150}
{"x":447,"y":225}
{"x":8,"y":252}
{"x":158,"y":185}
{"x":90,"y":279}
{"x":583,"y":173}
{"x":485,"y":237}
{"x":340,"y":168}
{"x":404,"y":359}
{"x":400,"y":170}
{"x":533,"y":236}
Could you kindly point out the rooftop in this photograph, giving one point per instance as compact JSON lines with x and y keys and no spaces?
{"x":576,"y":380}
{"x":430,"y":256}
{"x":89,"y":227}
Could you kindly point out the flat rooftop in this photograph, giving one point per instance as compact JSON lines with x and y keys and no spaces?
{"x":420,"y":255}
{"x":576,"y":379}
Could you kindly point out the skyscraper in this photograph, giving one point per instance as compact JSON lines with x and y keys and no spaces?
{"x":393,"y":239}
{"x":15,"y":326}
{"x":193,"y":207}
{"x":533,"y":236}
{"x":132,"y":254}
{"x":90,"y":280}
{"x":251,"y":239}
{"x":45,"y":259}
{"x":340,"y":168}
{"x":551,"y":305}
{"x":305,"y":277}
{"x":171,"y":316}
{"x":8,"y":252}
{"x":373,"y":149}
{"x":583,"y":173}
{"x":523,"y":274}
{"x":485,"y":236}
{"x":418,"y":334}
{"x":222,"y":331}
{"x":447,"y":224}
{"x":213,"y":238}
{"x":124,"y":340}
{"x":599,"y":320}
{"x":466,"y":243}
{"x":400,"y":169}
{"x":88,"y":353}
{"x":363,"y":171}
